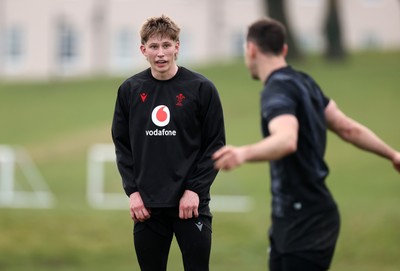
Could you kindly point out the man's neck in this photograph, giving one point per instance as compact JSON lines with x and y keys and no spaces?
{"x":268,"y":64}
{"x":165,"y":75}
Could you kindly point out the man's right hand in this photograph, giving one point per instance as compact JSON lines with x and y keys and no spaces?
{"x":137,"y":209}
{"x":396,"y":161}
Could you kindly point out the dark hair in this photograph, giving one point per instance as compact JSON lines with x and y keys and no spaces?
{"x":268,"y":34}
{"x":163,"y":26}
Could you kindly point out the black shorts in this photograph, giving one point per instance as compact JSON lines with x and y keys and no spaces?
{"x":294,"y":262}
{"x":153,"y":237}
{"x":311,"y":237}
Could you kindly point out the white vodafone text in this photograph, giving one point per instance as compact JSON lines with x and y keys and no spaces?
{"x":159,"y":132}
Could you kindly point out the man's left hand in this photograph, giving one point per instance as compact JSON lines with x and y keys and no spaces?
{"x":189,"y":205}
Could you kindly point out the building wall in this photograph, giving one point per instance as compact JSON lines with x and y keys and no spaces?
{"x":50,"y":38}
{"x":366,"y":24}
{"x":376,"y":24}
{"x":105,"y":33}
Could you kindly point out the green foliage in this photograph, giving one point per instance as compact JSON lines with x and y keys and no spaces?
{"x":58,"y":121}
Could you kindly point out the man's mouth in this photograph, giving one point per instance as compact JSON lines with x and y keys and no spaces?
{"x":161,"y":62}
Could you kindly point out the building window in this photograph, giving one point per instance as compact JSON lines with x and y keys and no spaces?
{"x":238,"y":44}
{"x":371,"y":40}
{"x":309,"y":3}
{"x":372,"y":3}
{"x":67,"y":43}
{"x":125,"y":44}
{"x":123,"y":50}
{"x":14,"y":47}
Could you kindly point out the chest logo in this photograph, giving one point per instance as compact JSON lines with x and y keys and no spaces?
{"x":143,"y":96}
{"x":160,"y":115}
{"x":179,"y":99}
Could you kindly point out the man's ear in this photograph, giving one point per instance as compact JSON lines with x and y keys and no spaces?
{"x":143,"y":49}
{"x":285,"y":50}
{"x":252,"y":49}
{"x":177,"y":46}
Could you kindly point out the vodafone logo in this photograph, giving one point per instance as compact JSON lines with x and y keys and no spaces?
{"x":161,"y":115}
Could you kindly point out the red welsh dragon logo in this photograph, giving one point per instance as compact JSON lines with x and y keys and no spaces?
{"x":179,"y":99}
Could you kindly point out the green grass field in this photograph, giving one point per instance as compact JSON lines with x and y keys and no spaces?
{"x":58,"y":121}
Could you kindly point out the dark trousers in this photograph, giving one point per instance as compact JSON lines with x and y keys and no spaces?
{"x":152,"y":240}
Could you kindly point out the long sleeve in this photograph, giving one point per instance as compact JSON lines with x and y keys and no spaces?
{"x":213,"y":138}
{"x":120,"y":136}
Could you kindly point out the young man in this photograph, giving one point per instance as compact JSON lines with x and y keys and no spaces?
{"x":295,"y":117}
{"x":168,"y":121}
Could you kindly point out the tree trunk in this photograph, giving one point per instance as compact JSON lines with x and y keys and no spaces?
{"x":333,"y":34}
{"x":276,"y":10}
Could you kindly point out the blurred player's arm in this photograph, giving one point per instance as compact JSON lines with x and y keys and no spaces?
{"x":359,"y":135}
{"x":281,"y":142}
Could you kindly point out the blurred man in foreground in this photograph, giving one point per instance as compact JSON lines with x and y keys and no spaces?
{"x":295,"y":117}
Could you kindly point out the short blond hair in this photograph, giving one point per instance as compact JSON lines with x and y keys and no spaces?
{"x":163,"y":26}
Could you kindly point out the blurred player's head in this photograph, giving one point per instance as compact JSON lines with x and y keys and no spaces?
{"x":268,"y":34}
{"x":265,"y":47}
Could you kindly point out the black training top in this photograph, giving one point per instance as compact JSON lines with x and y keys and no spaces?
{"x":298,"y":180}
{"x":165,"y":133}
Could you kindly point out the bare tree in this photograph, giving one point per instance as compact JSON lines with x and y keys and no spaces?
{"x":276,"y":10}
{"x":100,"y":35}
{"x":2,"y":33}
{"x":333,"y":33}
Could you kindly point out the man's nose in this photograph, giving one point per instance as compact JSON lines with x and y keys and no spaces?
{"x":160,"y":52}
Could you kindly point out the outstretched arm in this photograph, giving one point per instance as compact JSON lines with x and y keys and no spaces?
{"x":281,"y":142}
{"x":358,"y":134}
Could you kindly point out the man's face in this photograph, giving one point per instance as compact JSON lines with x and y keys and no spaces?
{"x":161,"y":52}
{"x":249,"y":59}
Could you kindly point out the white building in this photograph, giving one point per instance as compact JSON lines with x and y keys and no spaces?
{"x":50,"y":38}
